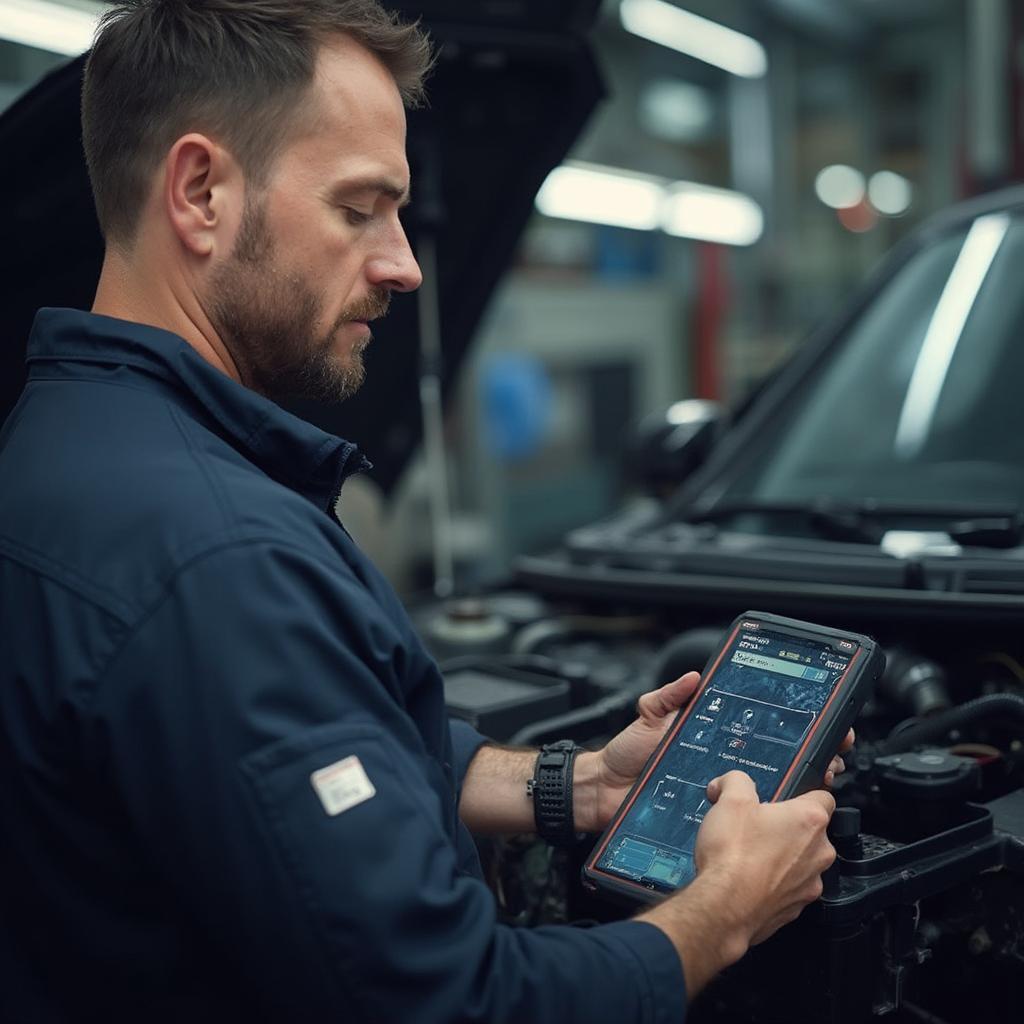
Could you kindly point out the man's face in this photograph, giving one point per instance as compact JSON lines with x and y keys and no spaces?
{"x":320,"y":249}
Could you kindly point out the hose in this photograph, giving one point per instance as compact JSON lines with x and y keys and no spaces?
{"x":1003,"y":706}
{"x":684,"y":653}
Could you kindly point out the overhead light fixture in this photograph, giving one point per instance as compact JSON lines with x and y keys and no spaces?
{"x":675,"y":111}
{"x":671,"y":26}
{"x":712,"y":215}
{"x":890,"y":193}
{"x":627,"y":199}
{"x":839,"y":186}
{"x":602,"y":195}
{"x":48,"y":26}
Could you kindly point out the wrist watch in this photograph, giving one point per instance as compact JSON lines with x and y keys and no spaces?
{"x":551,"y":789}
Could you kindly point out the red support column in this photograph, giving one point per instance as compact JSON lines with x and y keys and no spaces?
{"x":709,"y":320}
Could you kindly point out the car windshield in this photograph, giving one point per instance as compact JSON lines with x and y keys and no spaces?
{"x":923,"y":400}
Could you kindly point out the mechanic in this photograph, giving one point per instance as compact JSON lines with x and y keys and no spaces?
{"x":230,"y":788}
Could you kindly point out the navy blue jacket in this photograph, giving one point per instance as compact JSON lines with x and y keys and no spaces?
{"x":187,"y":635}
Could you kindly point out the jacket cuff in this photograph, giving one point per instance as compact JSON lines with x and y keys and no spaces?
{"x":466,"y":741}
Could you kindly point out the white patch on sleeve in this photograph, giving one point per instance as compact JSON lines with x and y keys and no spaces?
{"x":342,"y":785}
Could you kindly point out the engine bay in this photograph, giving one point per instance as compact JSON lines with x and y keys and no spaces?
{"x":922,"y":918}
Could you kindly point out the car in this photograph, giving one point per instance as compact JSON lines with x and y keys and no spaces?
{"x":879,"y":474}
{"x":874,"y":482}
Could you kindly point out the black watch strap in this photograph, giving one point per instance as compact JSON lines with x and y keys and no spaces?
{"x":551,"y":789}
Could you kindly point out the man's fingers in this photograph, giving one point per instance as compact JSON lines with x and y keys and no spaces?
{"x":668,"y":699}
{"x":848,"y":742}
{"x":734,"y":785}
{"x":836,"y":767}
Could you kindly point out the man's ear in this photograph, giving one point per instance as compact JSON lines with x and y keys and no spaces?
{"x":203,"y":194}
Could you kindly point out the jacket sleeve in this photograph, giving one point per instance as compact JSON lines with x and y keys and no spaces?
{"x":332,"y":896}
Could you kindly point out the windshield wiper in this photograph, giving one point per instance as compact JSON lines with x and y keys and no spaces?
{"x":1005,"y":531}
{"x":862,"y":521}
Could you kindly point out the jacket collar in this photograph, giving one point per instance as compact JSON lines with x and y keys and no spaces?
{"x":295,"y":453}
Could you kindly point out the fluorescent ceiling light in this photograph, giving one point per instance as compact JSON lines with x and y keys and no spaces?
{"x":945,"y":330}
{"x":602,"y":195}
{"x":712,"y":215}
{"x":48,"y":26}
{"x":664,"y":23}
{"x":839,"y":186}
{"x":626,"y":199}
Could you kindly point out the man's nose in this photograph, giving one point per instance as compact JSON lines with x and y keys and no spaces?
{"x":396,"y":268}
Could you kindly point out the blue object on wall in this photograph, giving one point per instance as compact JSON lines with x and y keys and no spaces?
{"x":625,"y":255}
{"x":516,"y":396}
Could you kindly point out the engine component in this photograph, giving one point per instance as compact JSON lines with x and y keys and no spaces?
{"x":915,"y":683}
{"x":499,"y":703}
{"x":892,"y":915}
{"x":929,"y":775}
{"x":467,"y":626}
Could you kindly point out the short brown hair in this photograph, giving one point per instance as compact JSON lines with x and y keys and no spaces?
{"x":236,"y":69}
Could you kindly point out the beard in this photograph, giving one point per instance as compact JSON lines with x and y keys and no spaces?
{"x":271,"y":322}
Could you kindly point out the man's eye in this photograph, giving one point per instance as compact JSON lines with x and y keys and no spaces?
{"x":356,"y":217}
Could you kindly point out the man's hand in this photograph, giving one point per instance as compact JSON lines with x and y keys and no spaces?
{"x":604,"y":777}
{"x":758,"y":866}
{"x":773,"y":854}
